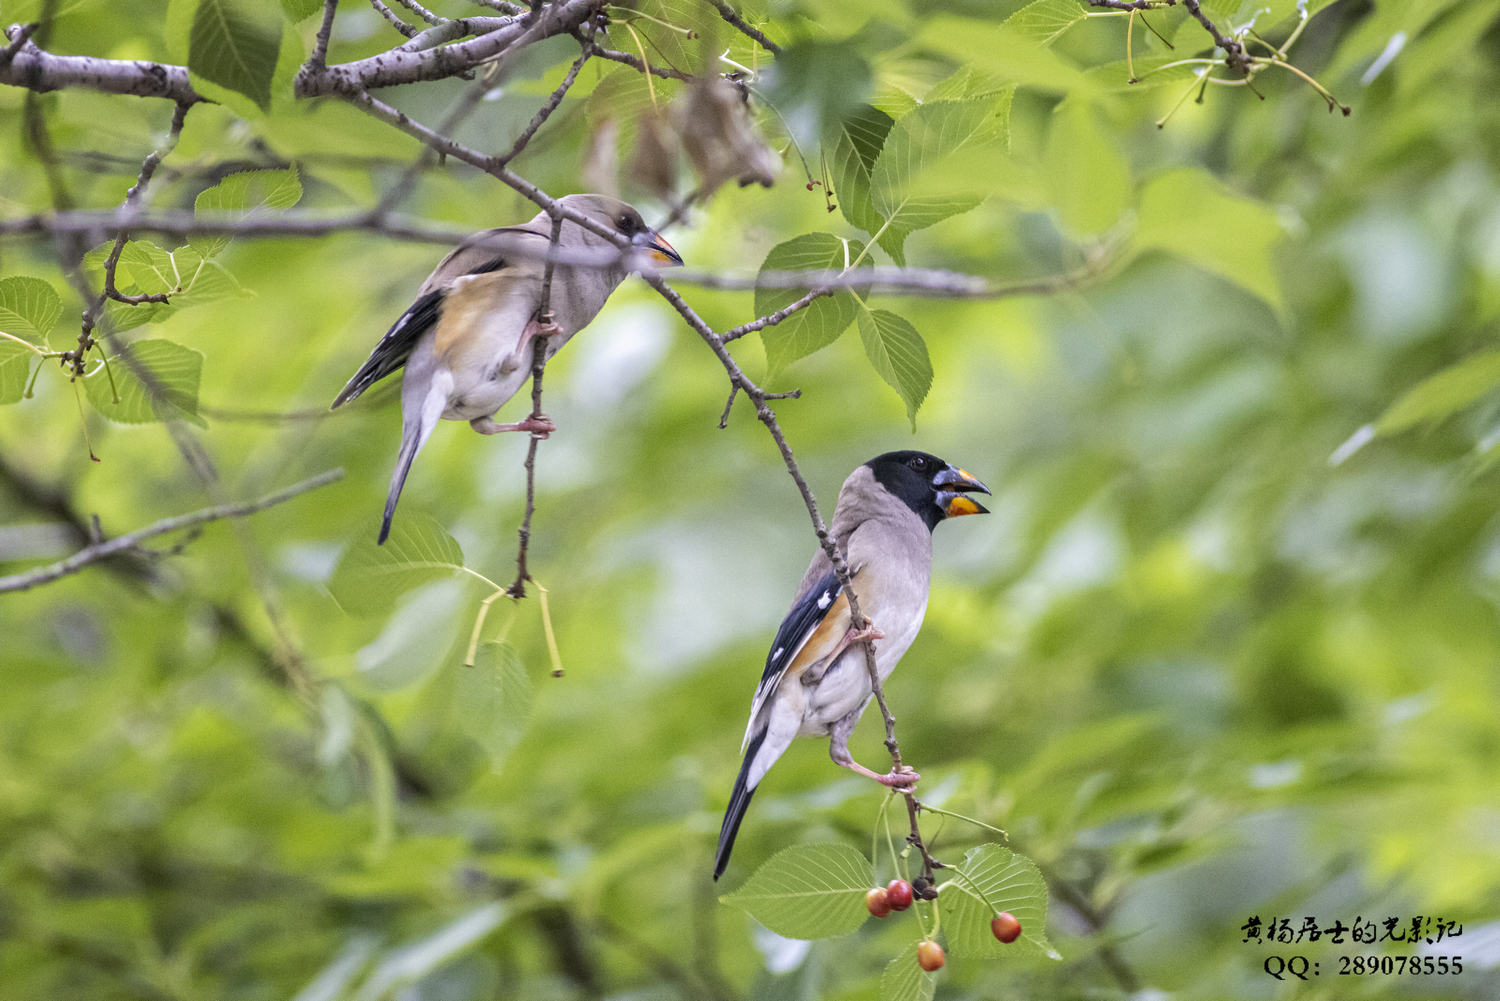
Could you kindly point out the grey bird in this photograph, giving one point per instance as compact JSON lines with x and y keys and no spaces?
{"x":816,"y":683}
{"x":466,"y":341}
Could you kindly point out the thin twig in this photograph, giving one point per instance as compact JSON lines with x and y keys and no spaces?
{"x":729,"y":14}
{"x":319,"y":58}
{"x":395,"y":20}
{"x":546,"y":110}
{"x":544,"y":316}
{"x":422,"y":12}
{"x":128,"y":542}
{"x":22,"y":34}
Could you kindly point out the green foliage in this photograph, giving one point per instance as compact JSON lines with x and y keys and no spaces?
{"x":1190,"y":214}
{"x":994,"y":879}
{"x":1443,"y":394}
{"x":29,"y":307}
{"x":15,"y":370}
{"x":904,"y":980}
{"x":301,"y":10}
{"x":808,"y":891}
{"x":899,"y":354}
{"x":370,"y":577}
{"x":232,"y":47}
{"x":821,"y":323}
{"x":246,"y":191}
{"x":926,"y":170}
{"x":151,"y":380}
{"x":856,"y":147}
{"x":1088,"y":177}
{"x":492,"y":699}
{"x":1046,"y":20}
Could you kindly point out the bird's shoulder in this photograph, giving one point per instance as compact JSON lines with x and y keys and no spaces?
{"x":481,"y":254}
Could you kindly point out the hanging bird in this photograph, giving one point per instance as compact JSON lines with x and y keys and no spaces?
{"x":816,"y":683}
{"x":466,"y":341}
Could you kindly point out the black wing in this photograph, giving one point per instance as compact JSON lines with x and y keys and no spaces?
{"x":397,"y":344}
{"x":796,"y":627}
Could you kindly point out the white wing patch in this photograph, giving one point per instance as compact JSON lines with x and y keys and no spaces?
{"x":825,"y":600}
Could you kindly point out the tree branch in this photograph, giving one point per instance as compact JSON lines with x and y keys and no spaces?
{"x":42,"y":72}
{"x":391,"y":16}
{"x":128,"y":542}
{"x":546,"y":110}
{"x":729,"y":14}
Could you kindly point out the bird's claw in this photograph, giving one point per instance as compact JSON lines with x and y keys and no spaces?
{"x":536,"y":328}
{"x":538,"y":425}
{"x":905,"y":779}
{"x":867,"y":633}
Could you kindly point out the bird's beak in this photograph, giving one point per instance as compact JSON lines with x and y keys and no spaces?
{"x":660,"y":251}
{"x":952,"y":485}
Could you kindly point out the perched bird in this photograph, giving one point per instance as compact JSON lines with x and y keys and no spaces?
{"x":466,"y":341}
{"x":816,"y":683}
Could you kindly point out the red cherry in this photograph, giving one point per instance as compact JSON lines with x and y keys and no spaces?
{"x":1006,"y":927}
{"x":899,"y":894}
{"x":876,"y":902}
{"x":930,"y":956}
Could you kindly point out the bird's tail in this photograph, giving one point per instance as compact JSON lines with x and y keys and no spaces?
{"x":739,"y":802}
{"x":415,"y":431}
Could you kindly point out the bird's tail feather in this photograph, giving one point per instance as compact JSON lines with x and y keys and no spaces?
{"x":414,"y":434}
{"x":739,"y":802}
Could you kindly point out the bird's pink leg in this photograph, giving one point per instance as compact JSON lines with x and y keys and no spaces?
{"x":539,"y":425}
{"x":838,"y":750}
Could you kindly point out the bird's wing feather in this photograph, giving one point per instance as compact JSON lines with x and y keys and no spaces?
{"x":811,"y":630}
{"x":471,"y":258}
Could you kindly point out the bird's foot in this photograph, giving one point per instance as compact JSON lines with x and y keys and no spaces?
{"x":539,"y":425}
{"x":867,"y":633}
{"x":906,"y":778}
{"x":535,"y":328}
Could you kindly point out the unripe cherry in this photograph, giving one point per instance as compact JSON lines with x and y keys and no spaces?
{"x":1007,"y":927}
{"x":930,"y":956}
{"x":899,"y":894}
{"x":877,"y":903}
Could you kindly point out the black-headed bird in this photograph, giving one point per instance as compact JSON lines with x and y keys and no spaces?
{"x":466,"y":341}
{"x":816,"y":682}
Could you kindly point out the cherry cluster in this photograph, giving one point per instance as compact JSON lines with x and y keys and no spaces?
{"x":898,"y":896}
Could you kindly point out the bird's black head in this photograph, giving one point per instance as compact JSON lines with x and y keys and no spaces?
{"x":933,"y":488}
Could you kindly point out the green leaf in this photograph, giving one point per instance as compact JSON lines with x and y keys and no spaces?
{"x":1444,"y":394}
{"x":967,"y":82}
{"x":173,"y":372}
{"x":1045,"y":20}
{"x":29,"y":307}
{"x":1087,"y":176}
{"x":410,"y":963}
{"x":300,"y":10}
{"x":808,"y":891}
{"x":905,"y":980}
{"x":235,"y":50}
{"x":908,"y":190}
{"x":861,"y":133}
{"x":246,"y":191}
{"x":369,"y":578}
{"x":821,"y":323}
{"x":1001,"y":881}
{"x":900,"y":356}
{"x":1189,"y":213}
{"x":816,"y":83}
{"x":15,"y":369}
{"x":1000,"y":49}
{"x":415,"y":640}
{"x":492,"y":699}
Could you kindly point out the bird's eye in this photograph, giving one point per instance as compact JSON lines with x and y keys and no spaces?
{"x":626,"y":225}
{"x":917,"y":463}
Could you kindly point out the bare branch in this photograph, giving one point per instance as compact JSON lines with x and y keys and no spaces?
{"x":394,"y":19}
{"x":42,"y":71}
{"x":319,"y":57}
{"x":422,"y":12}
{"x":544,"y":315}
{"x":402,"y":65}
{"x":729,"y":14}
{"x":546,"y":110}
{"x":460,"y":27}
{"x":18,"y":36}
{"x":665,"y":72}
{"x":133,"y":201}
{"x":128,"y":542}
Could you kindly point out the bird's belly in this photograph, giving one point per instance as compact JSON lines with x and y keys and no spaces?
{"x":473,"y":398}
{"x":845,"y":686}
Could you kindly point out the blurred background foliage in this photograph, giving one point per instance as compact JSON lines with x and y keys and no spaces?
{"x":1198,"y":670}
